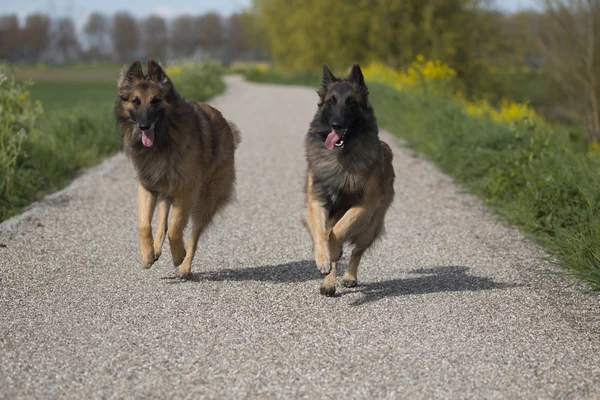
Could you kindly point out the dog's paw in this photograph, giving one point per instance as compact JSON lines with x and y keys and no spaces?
{"x":177,"y":260}
{"x":148,"y":257}
{"x":184,"y":271}
{"x":157,"y":252}
{"x":327,"y":290}
{"x":349,"y":283}
{"x":323,"y":260}
{"x":178,"y":253}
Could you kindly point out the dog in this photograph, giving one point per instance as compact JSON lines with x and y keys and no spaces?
{"x":350,"y":177}
{"x":183,"y":155}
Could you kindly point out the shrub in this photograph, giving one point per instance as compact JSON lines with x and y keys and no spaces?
{"x":17,"y":118}
{"x":197,"y":80}
{"x":439,"y":79}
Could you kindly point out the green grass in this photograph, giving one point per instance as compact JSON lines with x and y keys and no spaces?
{"x":532,"y":176}
{"x":67,"y":72}
{"x":76,"y":130}
{"x":270,"y":76}
{"x":58,"y":95}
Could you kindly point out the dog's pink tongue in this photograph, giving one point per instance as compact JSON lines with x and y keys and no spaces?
{"x":332,"y":138}
{"x":148,"y":138}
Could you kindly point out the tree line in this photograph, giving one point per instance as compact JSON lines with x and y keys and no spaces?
{"x":121,"y":37}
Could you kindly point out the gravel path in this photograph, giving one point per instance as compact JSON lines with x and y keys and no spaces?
{"x":452,"y":303}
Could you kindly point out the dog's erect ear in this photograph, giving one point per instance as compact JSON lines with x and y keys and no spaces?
{"x":156,"y":72}
{"x":131,"y":73}
{"x":328,"y":76}
{"x":356,"y":75}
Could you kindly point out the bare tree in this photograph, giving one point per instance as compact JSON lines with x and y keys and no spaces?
{"x":209,"y":31}
{"x":96,"y":30}
{"x":182,"y":37}
{"x":570,"y":41}
{"x":237,"y":37}
{"x":125,"y":36}
{"x":65,"y":39}
{"x":154,"y":29}
{"x":36,"y":35}
{"x":10,"y":38}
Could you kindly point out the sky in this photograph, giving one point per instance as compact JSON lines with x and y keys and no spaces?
{"x":80,"y":9}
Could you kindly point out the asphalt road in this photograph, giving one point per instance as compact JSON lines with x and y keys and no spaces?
{"x":452,"y":303}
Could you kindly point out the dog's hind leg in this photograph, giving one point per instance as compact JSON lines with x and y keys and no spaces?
{"x":185,"y":269}
{"x":350,"y":277}
{"x":181,"y":213}
{"x":362,"y":242}
{"x":164,"y":205}
{"x":212,"y":199}
{"x":146,"y":204}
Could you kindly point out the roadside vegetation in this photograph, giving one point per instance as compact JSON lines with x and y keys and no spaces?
{"x":53,"y":128}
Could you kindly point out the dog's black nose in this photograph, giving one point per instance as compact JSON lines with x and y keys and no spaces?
{"x":336,"y":126}
{"x":144,"y":125}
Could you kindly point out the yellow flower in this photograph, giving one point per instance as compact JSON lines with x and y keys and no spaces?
{"x":173,"y":70}
{"x":23,"y":96}
{"x":593,"y":150}
{"x":436,"y":77}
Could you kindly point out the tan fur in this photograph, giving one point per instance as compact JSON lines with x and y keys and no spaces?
{"x":189,"y":169}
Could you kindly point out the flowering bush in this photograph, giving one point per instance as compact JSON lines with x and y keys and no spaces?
{"x":241,"y":67}
{"x":422,"y":75}
{"x":508,"y":112}
{"x":197,"y":80}
{"x":438,"y":78}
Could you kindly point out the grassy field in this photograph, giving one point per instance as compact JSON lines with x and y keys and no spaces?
{"x":531,"y":175}
{"x":58,"y":95}
{"x":76,"y":129}
{"x":73,"y":72}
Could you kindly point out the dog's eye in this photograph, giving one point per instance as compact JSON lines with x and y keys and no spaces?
{"x":351,"y":102}
{"x":332,"y":100}
{"x":155,"y":100}
{"x":136,"y":101}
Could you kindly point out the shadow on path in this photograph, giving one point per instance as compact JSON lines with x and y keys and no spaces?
{"x":429,"y":280}
{"x":292,"y":272}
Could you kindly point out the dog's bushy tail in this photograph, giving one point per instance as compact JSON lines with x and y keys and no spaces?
{"x":237,"y":135}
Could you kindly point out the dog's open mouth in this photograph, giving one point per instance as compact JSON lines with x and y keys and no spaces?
{"x":335,"y":139}
{"x":148,"y":137}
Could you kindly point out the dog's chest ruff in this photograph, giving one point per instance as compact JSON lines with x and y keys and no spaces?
{"x":158,"y":174}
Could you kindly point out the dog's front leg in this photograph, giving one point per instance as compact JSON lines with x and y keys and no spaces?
{"x":181,"y":213}
{"x":146,"y":204}
{"x":316,"y":224}
{"x":353,"y":221}
{"x":161,"y":230}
